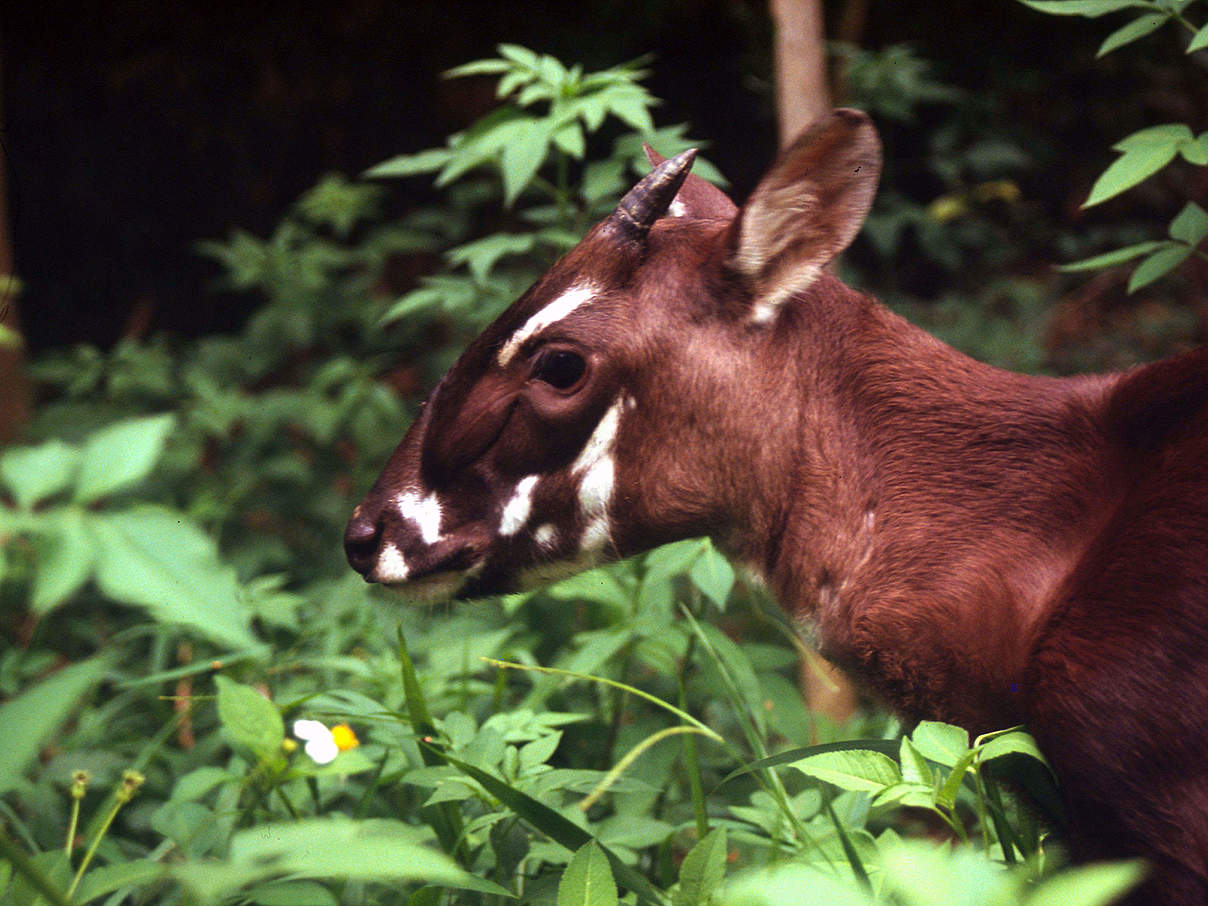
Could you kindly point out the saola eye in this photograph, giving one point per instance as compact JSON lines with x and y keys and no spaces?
{"x":560,"y":368}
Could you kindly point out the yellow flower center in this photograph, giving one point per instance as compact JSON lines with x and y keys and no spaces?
{"x":344,"y":738}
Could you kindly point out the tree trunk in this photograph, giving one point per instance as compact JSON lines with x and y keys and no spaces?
{"x":802,"y":95}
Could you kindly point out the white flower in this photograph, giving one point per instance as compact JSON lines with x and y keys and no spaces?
{"x":320,"y":743}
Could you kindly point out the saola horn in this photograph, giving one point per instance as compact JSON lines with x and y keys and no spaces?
{"x":649,"y":199}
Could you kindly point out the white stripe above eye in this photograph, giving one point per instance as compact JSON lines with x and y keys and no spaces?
{"x":516,"y":511}
{"x":577,"y":295}
{"x":425,"y":512}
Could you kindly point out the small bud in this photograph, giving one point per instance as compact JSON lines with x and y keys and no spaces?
{"x":79,"y":783}
{"x":131,"y":781}
{"x":289,"y":745}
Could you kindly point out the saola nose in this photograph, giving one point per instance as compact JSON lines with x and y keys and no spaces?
{"x":361,"y":540}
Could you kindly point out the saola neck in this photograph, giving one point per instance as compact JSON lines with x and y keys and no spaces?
{"x":917,"y":528}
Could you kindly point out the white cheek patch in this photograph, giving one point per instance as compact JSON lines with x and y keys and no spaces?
{"x":577,"y":295}
{"x":425,"y":512}
{"x":516,"y":511}
{"x":391,"y":565}
{"x":597,"y":476}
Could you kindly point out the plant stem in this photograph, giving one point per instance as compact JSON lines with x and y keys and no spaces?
{"x":22,"y":864}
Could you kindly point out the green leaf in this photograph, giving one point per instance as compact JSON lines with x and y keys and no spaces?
{"x":478,"y":67}
{"x":33,"y":716}
{"x":1091,"y":9}
{"x":66,"y":553}
{"x":1111,"y":259}
{"x":522,"y":158}
{"x":428,"y":161}
{"x":587,"y":880}
{"x":482,"y":254}
{"x":111,"y":878}
{"x":1157,"y":265}
{"x":1133,"y":167}
{"x":1162,"y":135}
{"x":1012,"y":743}
{"x":119,"y":455}
{"x":713,"y":575}
{"x":34,"y":473}
{"x":250,"y":722}
{"x":1191,"y":224}
{"x":1134,"y":30}
{"x":914,"y":766}
{"x":855,"y":769}
{"x":9,"y":338}
{"x":1199,"y":41}
{"x":292,"y":893}
{"x":1089,"y":885}
{"x":1195,"y":151}
{"x":703,"y":870}
{"x":942,"y":743}
{"x":569,"y":139}
{"x":156,"y":558}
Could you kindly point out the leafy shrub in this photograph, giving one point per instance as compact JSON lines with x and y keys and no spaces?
{"x":271,"y":730}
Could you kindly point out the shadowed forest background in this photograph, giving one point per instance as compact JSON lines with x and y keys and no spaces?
{"x":242,"y":245}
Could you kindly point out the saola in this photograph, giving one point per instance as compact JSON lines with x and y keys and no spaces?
{"x":976,"y":546}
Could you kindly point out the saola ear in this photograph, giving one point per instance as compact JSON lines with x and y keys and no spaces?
{"x":697,"y":198}
{"x":807,"y":208}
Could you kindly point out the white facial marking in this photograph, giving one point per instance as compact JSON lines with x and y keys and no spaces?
{"x":516,"y":511}
{"x":423,"y":511}
{"x":545,"y":535}
{"x":391,"y":566}
{"x":597,"y":472}
{"x":579,"y":294}
{"x":677,"y":208}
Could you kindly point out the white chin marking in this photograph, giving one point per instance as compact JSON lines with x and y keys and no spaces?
{"x":597,"y":535}
{"x":425,"y":512}
{"x":391,"y":566}
{"x":545,"y":535}
{"x":579,"y":294}
{"x":516,"y":511}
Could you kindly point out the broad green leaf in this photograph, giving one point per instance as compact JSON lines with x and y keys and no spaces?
{"x":66,"y":553}
{"x":32,"y":474}
{"x":292,"y":893}
{"x":410,"y":164}
{"x":43,"y":876}
{"x":250,"y":722}
{"x":588,"y":880}
{"x":481,"y":255}
{"x":1199,"y":41}
{"x":1014,"y":742}
{"x":942,"y":743}
{"x":521,"y":55}
{"x":1162,"y":135}
{"x":1091,"y":9}
{"x":796,"y":884}
{"x":713,"y":575}
{"x":947,"y":793}
{"x":703,"y":870}
{"x":28,"y":721}
{"x":854,"y":769}
{"x":111,"y":878}
{"x":1132,"y":168}
{"x":119,"y":455}
{"x":1134,"y":30}
{"x":569,"y":140}
{"x":1157,"y":265}
{"x":197,"y":783}
{"x":1089,"y":885}
{"x":156,"y":558}
{"x":521,"y":160}
{"x":1191,"y":224}
{"x":1111,"y":259}
{"x":914,"y":766}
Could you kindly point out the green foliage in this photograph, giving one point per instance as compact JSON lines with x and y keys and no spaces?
{"x":171,"y":535}
{"x":1148,"y":151}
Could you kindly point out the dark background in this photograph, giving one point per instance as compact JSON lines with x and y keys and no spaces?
{"x":134,"y":129}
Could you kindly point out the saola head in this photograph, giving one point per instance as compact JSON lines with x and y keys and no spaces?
{"x":619,"y":403}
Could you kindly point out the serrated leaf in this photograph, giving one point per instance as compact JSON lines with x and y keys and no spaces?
{"x":66,"y":553}
{"x":853,"y":769}
{"x":119,"y":455}
{"x":1091,"y":9}
{"x":38,"y":711}
{"x":1111,"y":259}
{"x":569,"y":139}
{"x":942,"y":743}
{"x":1190,"y":225}
{"x":1133,"y":167}
{"x":1136,"y":29}
{"x":482,"y":254}
{"x":158,"y":559}
{"x":713,"y":575}
{"x":250,"y":722}
{"x":1157,"y":265}
{"x":32,"y":474}
{"x":914,"y":766}
{"x":703,"y":870}
{"x":587,"y":880}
